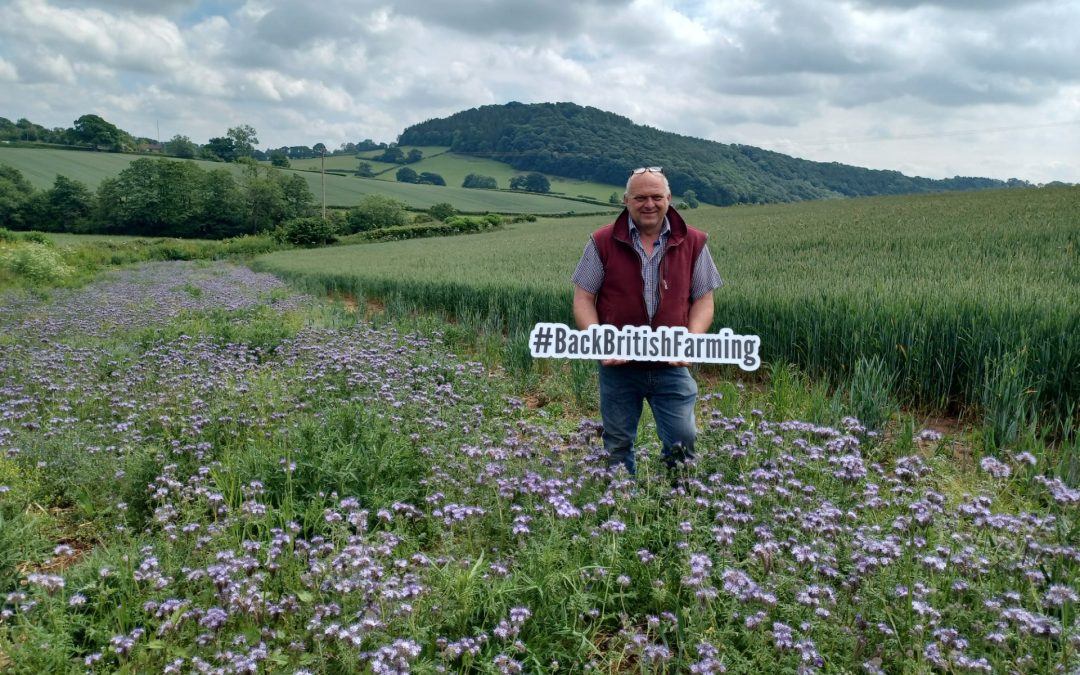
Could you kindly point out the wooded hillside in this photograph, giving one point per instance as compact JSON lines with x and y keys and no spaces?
{"x":570,"y":140}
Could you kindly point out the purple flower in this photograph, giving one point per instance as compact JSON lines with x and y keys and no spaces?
{"x":995,"y":468}
{"x":1057,"y":595}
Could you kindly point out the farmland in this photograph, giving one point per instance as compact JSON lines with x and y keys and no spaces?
{"x":969,"y":299}
{"x":41,"y":166}
{"x":454,"y":167}
{"x":292,"y":488}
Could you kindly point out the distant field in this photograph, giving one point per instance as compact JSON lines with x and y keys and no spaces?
{"x":42,"y":166}
{"x":454,"y":167}
{"x":348,"y":190}
{"x":951,"y":290}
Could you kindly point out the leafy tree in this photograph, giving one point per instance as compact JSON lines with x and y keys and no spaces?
{"x":300,"y":152}
{"x":245,"y":138}
{"x":169,"y":198}
{"x":307,"y":232}
{"x":414,"y":156}
{"x":407,"y":175}
{"x":393,"y":155}
{"x":375,"y":212}
{"x":96,"y":132}
{"x":428,"y":178}
{"x":69,"y":206}
{"x":690,"y":197}
{"x":15,"y":191}
{"x":365,"y":170}
{"x":442,"y":210}
{"x":156,"y":197}
{"x":615,"y":198}
{"x":220,"y":205}
{"x":180,"y":146}
{"x":531,"y":182}
{"x":221,"y":149}
{"x":272,"y":197}
{"x":279,"y":159}
{"x":299,"y":199}
{"x":319,"y":149}
{"x":475,"y":180}
{"x":368,"y":144}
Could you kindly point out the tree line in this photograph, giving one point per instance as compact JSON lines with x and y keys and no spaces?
{"x":569,"y":140}
{"x":96,"y":133}
{"x":159,"y":198}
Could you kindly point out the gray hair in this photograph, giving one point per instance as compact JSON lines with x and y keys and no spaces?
{"x":667,"y":186}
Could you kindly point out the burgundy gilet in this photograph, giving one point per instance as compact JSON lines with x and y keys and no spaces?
{"x":621,"y":300}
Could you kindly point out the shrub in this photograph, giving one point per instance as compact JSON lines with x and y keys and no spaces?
{"x":375,"y":212}
{"x":453,"y":225}
{"x":248,"y":245}
{"x":308,"y":232}
{"x":429,"y":178}
{"x":531,"y":182}
{"x":37,"y":238}
{"x":36,"y":263}
{"x":442,"y":210}
{"x":475,"y":180}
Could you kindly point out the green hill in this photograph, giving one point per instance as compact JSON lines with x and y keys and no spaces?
{"x":41,"y":166}
{"x":588,"y":144}
{"x":453,"y":167}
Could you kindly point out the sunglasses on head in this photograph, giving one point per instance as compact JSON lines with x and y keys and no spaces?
{"x":647,"y":169}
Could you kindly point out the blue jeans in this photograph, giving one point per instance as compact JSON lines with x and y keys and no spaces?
{"x":671,"y":393}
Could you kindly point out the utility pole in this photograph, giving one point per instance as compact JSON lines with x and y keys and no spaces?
{"x":322,"y":170}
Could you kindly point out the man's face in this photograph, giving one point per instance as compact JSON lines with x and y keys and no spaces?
{"x":647,"y":200}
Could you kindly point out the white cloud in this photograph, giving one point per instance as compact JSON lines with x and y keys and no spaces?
{"x":8,"y":71}
{"x":817,"y":79}
{"x":134,"y":42}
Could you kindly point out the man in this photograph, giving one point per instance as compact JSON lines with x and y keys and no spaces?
{"x":648,"y":268}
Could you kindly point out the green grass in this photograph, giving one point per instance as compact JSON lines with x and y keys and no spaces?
{"x":65,"y":239}
{"x":41,"y":166}
{"x":453,"y":167}
{"x":349,"y":190}
{"x":291,"y":488}
{"x":941,"y":287}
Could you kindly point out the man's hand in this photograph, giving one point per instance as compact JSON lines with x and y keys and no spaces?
{"x":613,"y":362}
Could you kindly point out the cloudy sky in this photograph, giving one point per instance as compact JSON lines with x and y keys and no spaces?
{"x":936,"y":88}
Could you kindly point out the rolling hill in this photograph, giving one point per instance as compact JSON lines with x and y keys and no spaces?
{"x":584,"y":143}
{"x":41,"y":166}
{"x":453,"y":167}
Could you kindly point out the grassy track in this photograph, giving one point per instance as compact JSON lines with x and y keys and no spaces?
{"x":968,"y":298}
